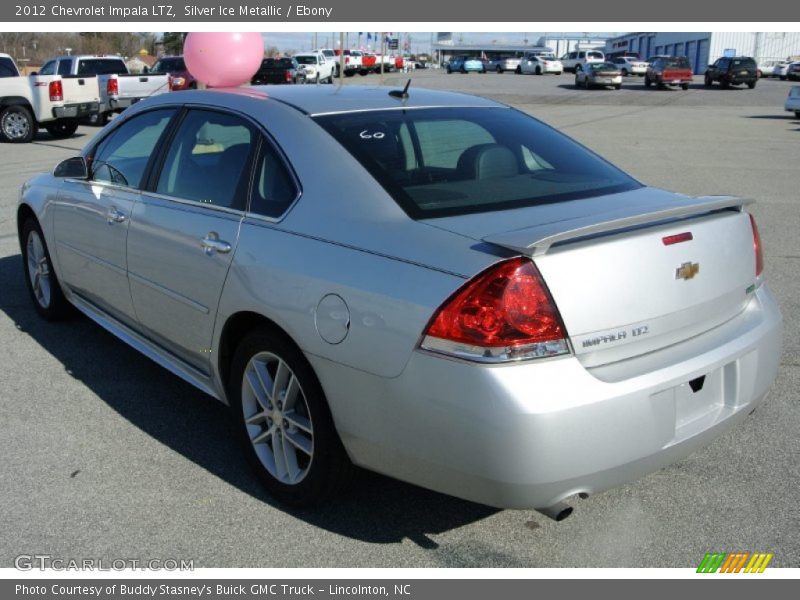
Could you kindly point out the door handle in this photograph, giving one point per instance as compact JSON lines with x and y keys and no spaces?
{"x":115,"y":216}
{"x":211,"y":243}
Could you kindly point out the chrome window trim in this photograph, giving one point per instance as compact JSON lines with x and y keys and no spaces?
{"x":192,"y":203}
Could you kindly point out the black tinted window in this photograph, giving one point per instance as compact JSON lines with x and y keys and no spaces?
{"x":122,"y":157}
{"x":438,"y":162}
{"x":7,"y":68}
{"x":65,"y":66}
{"x":744,"y":63}
{"x":273,"y":188}
{"x":49,"y":68}
{"x":207,"y":158}
{"x":101,"y":66}
{"x":168,"y":65}
{"x":676,"y":63}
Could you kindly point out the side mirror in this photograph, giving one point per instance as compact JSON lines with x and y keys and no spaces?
{"x":73,"y":168}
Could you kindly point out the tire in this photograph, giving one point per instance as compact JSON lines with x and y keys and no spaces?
{"x":301,"y":460}
{"x":577,"y":83}
{"x":40,"y":277}
{"x":499,"y":69}
{"x":751,"y":84}
{"x":17,"y":125}
{"x":624,"y":72}
{"x":797,"y":114}
{"x":349,"y":73}
{"x":684,"y":86}
{"x":759,"y":74}
{"x":647,"y":82}
{"x":518,"y":71}
{"x":724,"y":85}
{"x":62,"y":129}
{"x":618,"y":87}
{"x":708,"y":81}
{"x":538,"y":70}
{"x":782,"y":77}
{"x":449,"y":70}
{"x":364,"y":72}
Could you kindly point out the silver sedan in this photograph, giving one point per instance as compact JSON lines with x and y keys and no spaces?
{"x":429,"y":285}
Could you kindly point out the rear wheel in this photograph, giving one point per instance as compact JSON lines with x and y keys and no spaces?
{"x":283,"y":422}
{"x":62,"y":129}
{"x":797,"y":114}
{"x":41,"y":280}
{"x":17,"y":125}
{"x":538,"y":70}
{"x":618,"y":86}
{"x":684,"y":86}
{"x":751,"y":84}
{"x":518,"y":71}
{"x":499,"y":69}
{"x":724,"y":84}
{"x":647,"y":82}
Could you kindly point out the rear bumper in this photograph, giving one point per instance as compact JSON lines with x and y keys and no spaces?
{"x":75,"y":111}
{"x":531,"y":434}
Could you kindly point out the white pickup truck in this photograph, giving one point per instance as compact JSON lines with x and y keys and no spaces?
{"x":50,"y":101}
{"x":118,"y":87}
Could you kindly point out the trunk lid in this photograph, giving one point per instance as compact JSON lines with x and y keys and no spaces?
{"x":623,"y":284}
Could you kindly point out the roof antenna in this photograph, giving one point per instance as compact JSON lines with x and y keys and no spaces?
{"x":399,"y":94}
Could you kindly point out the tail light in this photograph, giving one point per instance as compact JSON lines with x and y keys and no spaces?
{"x":56,"y":90}
{"x":287,"y":76}
{"x":112,"y":87}
{"x":503,"y":314}
{"x":757,"y":247}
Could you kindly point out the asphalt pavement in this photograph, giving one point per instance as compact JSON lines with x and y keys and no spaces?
{"x":103,"y":454}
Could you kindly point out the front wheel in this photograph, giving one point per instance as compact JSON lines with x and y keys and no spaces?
{"x":538,"y":70}
{"x":62,"y":129}
{"x":41,"y":280}
{"x":707,"y":81}
{"x":647,"y":82}
{"x":283,"y":421}
{"x":17,"y":125}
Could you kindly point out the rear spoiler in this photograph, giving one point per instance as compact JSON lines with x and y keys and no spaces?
{"x":537,"y":240}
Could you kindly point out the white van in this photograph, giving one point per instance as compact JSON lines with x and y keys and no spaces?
{"x":574,"y":61}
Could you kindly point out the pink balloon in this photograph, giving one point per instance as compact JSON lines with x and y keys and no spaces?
{"x":224,"y":59}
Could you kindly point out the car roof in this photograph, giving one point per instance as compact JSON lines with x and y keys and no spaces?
{"x":324,"y":99}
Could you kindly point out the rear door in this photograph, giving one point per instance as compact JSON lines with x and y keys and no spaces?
{"x":185,"y":229}
{"x":92,"y":217}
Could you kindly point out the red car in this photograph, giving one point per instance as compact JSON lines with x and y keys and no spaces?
{"x":669,"y":70}
{"x":175,"y":67}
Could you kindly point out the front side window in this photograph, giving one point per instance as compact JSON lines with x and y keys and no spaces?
{"x":207,"y":159}
{"x":449,"y":161}
{"x":122,"y":157}
{"x":7,"y":67}
{"x":49,"y":68}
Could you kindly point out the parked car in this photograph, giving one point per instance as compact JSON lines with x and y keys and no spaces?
{"x":317,"y":68}
{"x":118,"y":88}
{"x":331,"y":57}
{"x":575,"y":61}
{"x":175,"y":67}
{"x":732,"y":71}
{"x":767,"y":68}
{"x":672,"y":70}
{"x":793,"y":71}
{"x":454,"y":294}
{"x":780,"y":69}
{"x":630,"y":65}
{"x":599,"y":75}
{"x":540,"y":64}
{"x":353,"y":62}
{"x":466,"y":64}
{"x":278,"y":70}
{"x":506,"y":63}
{"x":52,"y":101}
{"x":793,"y":101}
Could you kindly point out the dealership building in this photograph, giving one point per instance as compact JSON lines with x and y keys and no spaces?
{"x":704,"y":48}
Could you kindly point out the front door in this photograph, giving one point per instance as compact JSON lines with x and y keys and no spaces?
{"x":92,"y":217}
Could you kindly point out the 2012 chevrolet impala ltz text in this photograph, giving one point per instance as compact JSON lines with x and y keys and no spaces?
{"x":429,"y":285}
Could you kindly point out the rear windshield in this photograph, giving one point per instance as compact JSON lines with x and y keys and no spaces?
{"x":169,"y":65}
{"x":595,"y":55}
{"x":439,"y":162}
{"x":604,"y":66}
{"x":102,"y":66}
{"x":7,"y":67}
{"x":677,"y":63}
{"x":744,"y":63}
{"x":306,"y":60}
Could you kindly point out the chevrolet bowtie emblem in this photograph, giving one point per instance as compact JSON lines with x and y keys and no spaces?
{"x":687,"y":270}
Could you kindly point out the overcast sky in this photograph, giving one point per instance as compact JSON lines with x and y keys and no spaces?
{"x":420,"y":41}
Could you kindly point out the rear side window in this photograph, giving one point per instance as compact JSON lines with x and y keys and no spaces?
{"x":207,"y":159}
{"x":274,"y":189}
{"x":122,"y":157}
{"x":449,"y":161}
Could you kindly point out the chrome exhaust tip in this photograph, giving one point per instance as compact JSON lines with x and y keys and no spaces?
{"x":558,"y":511}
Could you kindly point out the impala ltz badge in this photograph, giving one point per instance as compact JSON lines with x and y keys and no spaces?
{"x":687,"y":270}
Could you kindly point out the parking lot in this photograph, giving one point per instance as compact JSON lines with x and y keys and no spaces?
{"x":106,"y":455}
